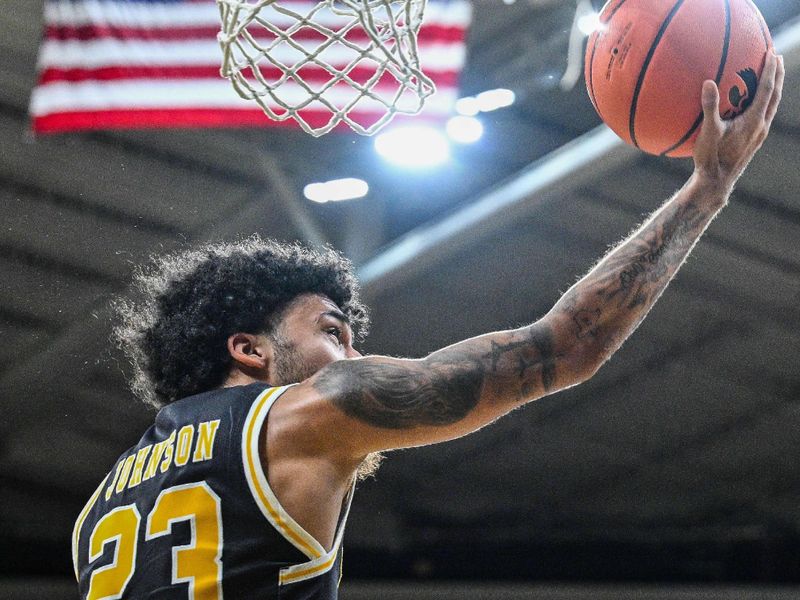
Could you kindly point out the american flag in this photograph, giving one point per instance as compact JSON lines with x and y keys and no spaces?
{"x":115,"y":64}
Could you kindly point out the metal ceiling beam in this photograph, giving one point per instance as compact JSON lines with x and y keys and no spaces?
{"x":566,"y":169}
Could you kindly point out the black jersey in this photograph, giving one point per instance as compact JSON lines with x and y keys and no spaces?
{"x":187,"y":513}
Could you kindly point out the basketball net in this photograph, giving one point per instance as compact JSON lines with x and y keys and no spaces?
{"x":344,"y":59}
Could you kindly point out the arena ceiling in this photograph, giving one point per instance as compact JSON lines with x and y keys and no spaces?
{"x":686,"y":440}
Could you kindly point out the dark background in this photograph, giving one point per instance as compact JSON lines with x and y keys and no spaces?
{"x":676,"y":463}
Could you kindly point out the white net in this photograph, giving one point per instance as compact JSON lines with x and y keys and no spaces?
{"x":328,"y":62}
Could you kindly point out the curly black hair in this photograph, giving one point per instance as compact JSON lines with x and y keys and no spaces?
{"x":175,"y":335}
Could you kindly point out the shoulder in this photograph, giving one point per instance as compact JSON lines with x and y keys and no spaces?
{"x":303,"y":422}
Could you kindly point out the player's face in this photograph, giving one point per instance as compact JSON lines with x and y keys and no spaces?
{"x":313,"y":333}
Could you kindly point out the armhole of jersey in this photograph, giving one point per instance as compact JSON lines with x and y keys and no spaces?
{"x":257,"y":480}
{"x":324,"y":563}
{"x":76,"y":531}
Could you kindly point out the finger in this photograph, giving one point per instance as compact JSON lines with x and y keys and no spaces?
{"x":766,"y":86}
{"x":777,"y":93}
{"x":710,"y":100}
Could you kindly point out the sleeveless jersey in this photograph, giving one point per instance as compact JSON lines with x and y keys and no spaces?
{"x":188,"y":513}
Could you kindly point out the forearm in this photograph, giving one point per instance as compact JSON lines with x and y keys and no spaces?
{"x":607,"y":305}
{"x":597,"y":314}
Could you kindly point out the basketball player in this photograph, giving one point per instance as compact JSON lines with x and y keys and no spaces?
{"x":268,"y":413}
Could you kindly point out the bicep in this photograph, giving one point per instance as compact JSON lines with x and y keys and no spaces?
{"x":398,"y":394}
{"x":354,"y":407}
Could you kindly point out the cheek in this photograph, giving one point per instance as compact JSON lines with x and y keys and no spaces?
{"x":331,"y":353}
{"x":304,"y":360}
{"x":323,"y":353}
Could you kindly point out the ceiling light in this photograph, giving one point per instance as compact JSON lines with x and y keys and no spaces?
{"x":467,"y":106}
{"x":494,"y":99}
{"x":413,"y":146}
{"x":336,"y":190}
{"x":464,"y":130}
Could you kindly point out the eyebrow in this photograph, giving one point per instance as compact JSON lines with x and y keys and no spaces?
{"x":336,"y":315}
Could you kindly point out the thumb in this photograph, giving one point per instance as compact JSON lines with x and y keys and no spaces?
{"x":710,"y":99}
{"x":705,"y":150}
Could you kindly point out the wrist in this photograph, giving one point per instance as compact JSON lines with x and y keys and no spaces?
{"x":714,"y":188}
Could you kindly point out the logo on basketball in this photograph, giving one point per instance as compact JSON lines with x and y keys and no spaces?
{"x":739,"y":99}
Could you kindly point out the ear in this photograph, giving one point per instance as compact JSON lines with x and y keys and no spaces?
{"x":250,"y":352}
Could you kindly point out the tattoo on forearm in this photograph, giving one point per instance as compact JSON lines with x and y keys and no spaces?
{"x":619,"y":292}
{"x":586,"y":322}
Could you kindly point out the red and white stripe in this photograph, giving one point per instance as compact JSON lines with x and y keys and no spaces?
{"x":122,"y":64}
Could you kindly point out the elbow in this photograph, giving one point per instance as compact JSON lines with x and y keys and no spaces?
{"x":580,"y":369}
{"x":579,"y":355}
{"x":584,"y":360}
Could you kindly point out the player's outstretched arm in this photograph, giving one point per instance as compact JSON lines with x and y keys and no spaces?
{"x":382,"y":403}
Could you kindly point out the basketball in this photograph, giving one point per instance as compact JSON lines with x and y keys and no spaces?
{"x":646,"y":63}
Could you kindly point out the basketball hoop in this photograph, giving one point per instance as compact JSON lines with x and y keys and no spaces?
{"x":341,"y":58}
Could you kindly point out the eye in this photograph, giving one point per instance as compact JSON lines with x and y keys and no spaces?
{"x":335,"y":332}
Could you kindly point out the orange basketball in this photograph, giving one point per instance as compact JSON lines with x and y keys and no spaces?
{"x":646,"y":63}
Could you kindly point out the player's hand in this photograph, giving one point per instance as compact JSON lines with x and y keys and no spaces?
{"x":724,"y":148}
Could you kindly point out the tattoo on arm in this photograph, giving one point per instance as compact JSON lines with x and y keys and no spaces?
{"x":398,"y":395}
{"x":445,"y":387}
{"x":534,"y":356}
{"x":610,"y":302}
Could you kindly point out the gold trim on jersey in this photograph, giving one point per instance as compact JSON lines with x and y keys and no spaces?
{"x":76,"y":530}
{"x":308,"y":570}
{"x":321,"y":561}
{"x":323,"y":564}
{"x":257,"y":479}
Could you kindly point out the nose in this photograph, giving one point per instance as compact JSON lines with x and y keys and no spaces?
{"x":353,"y":353}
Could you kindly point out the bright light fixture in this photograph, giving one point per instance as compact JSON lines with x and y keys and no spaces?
{"x":464,"y":130}
{"x":487,"y":101}
{"x":589,"y":23}
{"x":467,"y":106}
{"x":493,"y":99}
{"x":413,"y":146}
{"x":336,"y":190}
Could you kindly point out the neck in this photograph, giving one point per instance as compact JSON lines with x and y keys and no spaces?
{"x":239,"y":378}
